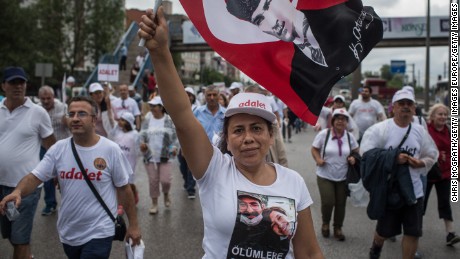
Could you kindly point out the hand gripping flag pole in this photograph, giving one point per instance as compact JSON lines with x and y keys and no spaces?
{"x":155,"y":9}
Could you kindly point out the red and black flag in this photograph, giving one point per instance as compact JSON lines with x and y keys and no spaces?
{"x":297,"y":49}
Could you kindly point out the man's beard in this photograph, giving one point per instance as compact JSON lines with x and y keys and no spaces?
{"x":251,"y":222}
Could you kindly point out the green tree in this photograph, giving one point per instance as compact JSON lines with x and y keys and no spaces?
{"x":397,"y":81}
{"x":385,"y":72}
{"x":211,"y":75}
{"x":65,"y":33}
{"x":103,"y":28}
{"x":18,"y":30}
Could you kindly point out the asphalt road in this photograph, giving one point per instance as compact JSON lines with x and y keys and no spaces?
{"x":177,"y":232}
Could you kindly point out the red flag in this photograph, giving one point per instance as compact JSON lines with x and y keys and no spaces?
{"x":296,"y":49}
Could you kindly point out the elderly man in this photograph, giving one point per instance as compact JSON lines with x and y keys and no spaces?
{"x":126,"y":104}
{"x":57,"y":111}
{"x":24,"y":126}
{"x":404,"y":151}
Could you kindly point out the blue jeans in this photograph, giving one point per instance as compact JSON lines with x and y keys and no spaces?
{"x":98,"y":248}
{"x":189,"y":182}
{"x":48,"y":187}
{"x":20,"y":230}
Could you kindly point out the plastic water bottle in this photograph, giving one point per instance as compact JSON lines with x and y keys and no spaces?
{"x":147,"y":156}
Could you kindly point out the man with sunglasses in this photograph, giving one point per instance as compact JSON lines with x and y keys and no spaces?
{"x":24,"y":126}
{"x":88,"y":233}
{"x":416,"y":155}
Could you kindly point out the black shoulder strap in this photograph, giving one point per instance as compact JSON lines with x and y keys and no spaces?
{"x":349,"y":141}
{"x":325,"y":141}
{"x":405,"y":136}
{"x":90,"y":184}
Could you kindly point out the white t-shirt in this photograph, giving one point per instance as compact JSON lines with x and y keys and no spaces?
{"x":419,"y":144}
{"x":129,"y":104}
{"x":81,"y":216}
{"x":365,"y":113}
{"x":21,"y":132}
{"x":219,"y":189}
{"x":336,"y":166}
{"x":156,"y":133}
{"x":129,"y":143}
{"x":274,"y":105}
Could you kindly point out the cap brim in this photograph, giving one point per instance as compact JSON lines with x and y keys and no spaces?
{"x":15,"y":77}
{"x":253,"y":111}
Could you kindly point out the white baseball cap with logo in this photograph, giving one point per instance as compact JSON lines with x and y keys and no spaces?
{"x":342,"y":112}
{"x":251,"y":103}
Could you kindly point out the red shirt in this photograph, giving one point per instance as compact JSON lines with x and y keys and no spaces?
{"x":442,"y":140}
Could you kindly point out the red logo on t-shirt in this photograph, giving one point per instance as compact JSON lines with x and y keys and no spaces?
{"x":79,"y":176}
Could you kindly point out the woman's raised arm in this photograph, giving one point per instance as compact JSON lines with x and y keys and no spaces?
{"x":193,"y":139}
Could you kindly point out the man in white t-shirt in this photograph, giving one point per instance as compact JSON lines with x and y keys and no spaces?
{"x":23,"y":127}
{"x":126,"y":104}
{"x":366,"y":111}
{"x":57,"y":111}
{"x":84,"y":227}
{"x":419,"y":152}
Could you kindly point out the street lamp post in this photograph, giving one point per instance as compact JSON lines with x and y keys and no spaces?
{"x":427,"y":61}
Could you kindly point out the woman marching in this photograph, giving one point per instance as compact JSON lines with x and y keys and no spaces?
{"x":238,"y":167}
{"x":437,"y":127}
{"x":158,"y":139}
{"x":332,"y":150}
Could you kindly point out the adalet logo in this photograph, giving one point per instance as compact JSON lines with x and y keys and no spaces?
{"x":250,"y":103}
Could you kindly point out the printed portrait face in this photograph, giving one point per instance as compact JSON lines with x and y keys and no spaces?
{"x":272,"y":17}
{"x":280,"y":223}
{"x":250,"y":209}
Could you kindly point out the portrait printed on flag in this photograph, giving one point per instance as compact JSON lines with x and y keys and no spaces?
{"x":297,"y":49}
{"x":264,"y":226}
{"x":279,"y":19}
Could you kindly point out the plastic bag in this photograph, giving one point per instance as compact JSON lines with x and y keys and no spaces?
{"x":359,"y":197}
{"x":134,"y":252}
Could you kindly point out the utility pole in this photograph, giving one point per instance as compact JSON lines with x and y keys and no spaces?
{"x":427,"y":61}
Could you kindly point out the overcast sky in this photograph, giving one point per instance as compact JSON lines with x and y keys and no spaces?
{"x":378,"y":57}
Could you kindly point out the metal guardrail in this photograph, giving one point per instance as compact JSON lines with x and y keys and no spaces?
{"x":113,"y":58}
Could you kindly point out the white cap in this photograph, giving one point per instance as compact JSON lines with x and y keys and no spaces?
{"x":341,"y":111}
{"x":95,"y":87}
{"x":251,"y":103}
{"x":403,"y":94}
{"x":131,"y":88}
{"x":339,"y":96}
{"x":408,"y":88}
{"x":156,"y":100}
{"x":236,"y":85}
{"x":129,"y":117}
{"x":190,"y":90}
{"x":70,"y":79}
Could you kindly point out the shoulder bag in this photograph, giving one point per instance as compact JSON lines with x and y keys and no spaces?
{"x":120,"y":225}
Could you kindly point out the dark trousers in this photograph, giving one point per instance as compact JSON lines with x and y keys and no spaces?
{"x":123,"y":63}
{"x":189,"y":182}
{"x":98,"y":248}
{"x":443,"y":193}
{"x":48,"y":187}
